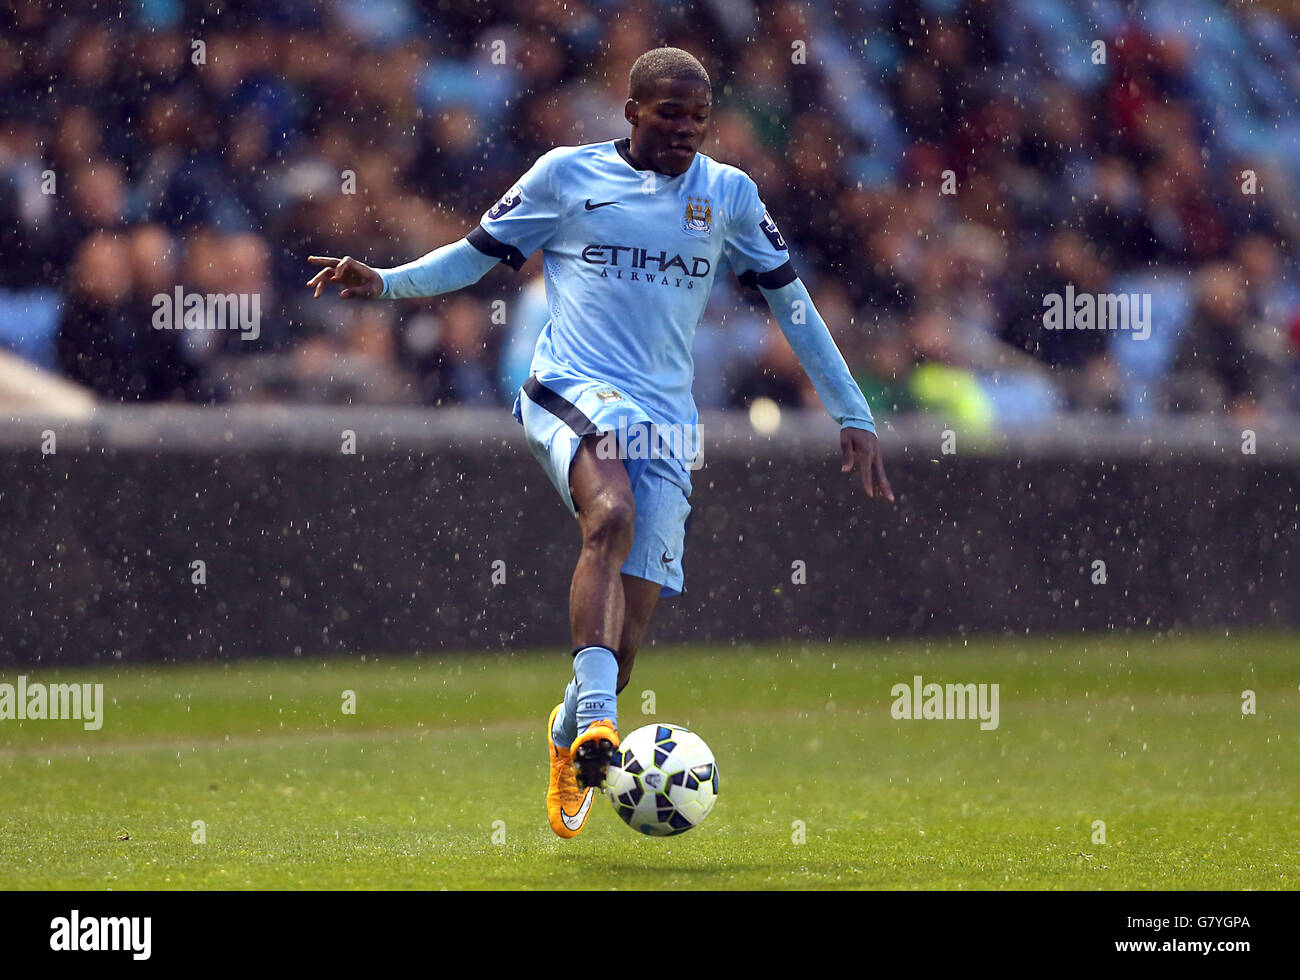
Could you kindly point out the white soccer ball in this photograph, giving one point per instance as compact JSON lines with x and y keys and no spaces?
{"x":662,"y":780}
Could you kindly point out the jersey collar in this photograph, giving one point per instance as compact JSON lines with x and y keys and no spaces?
{"x":623,"y":147}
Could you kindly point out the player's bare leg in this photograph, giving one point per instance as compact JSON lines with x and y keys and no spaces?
{"x":640,"y":597}
{"x":602,"y":495}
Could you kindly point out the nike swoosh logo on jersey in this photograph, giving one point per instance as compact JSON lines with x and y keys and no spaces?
{"x":575,"y":821}
{"x":667,"y":559}
{"x":592,"y":207}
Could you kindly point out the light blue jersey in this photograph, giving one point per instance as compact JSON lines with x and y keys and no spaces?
{"x":630,"y":256}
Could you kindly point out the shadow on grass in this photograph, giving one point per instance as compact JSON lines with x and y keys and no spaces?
{"x":717,"y":868}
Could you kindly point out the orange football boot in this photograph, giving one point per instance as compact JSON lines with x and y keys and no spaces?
{"x":566,"y":805}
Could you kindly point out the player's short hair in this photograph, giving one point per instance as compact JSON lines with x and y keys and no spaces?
{"x":673,"y":63}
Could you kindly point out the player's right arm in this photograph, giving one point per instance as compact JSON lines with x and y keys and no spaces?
{"x":444,"y":270}
{"x":759,"y":255}
{"x":517,"y":225}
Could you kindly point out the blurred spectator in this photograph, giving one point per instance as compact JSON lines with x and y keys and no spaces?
{"x":105,"y":339}
{"x":942,"y":381}
{"x":776,"y":376}
{"x":161,"y":366}
{"x":1216,"y":369}
{"x":884,"y":375}
{"x":449,"y":354}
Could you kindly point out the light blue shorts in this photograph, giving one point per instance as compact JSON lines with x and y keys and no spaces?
{"x":558,"y":413}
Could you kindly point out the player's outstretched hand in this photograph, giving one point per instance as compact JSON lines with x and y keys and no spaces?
{"x":358,"y":280}
{"x":858,"y":446}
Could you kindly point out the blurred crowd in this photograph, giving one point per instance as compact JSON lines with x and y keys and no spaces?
{"x":938,"y":167}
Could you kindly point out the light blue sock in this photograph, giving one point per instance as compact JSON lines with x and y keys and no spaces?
{"x":596,"y":671}
{"x":566,"y":722}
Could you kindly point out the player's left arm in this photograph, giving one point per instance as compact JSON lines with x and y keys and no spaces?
{"x":761,"y":259}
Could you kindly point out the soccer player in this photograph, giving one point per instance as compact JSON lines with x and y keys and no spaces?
{"x":632,"y":233}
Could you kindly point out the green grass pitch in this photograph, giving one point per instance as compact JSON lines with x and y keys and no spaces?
{"x":438,"y":780}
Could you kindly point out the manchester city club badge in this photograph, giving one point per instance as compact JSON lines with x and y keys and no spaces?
{"x":699,"y":215}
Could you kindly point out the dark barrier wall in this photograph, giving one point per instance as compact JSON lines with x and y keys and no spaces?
{"x":310,"y":550}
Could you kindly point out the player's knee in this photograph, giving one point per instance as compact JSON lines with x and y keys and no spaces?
{"x":609,"y":522}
